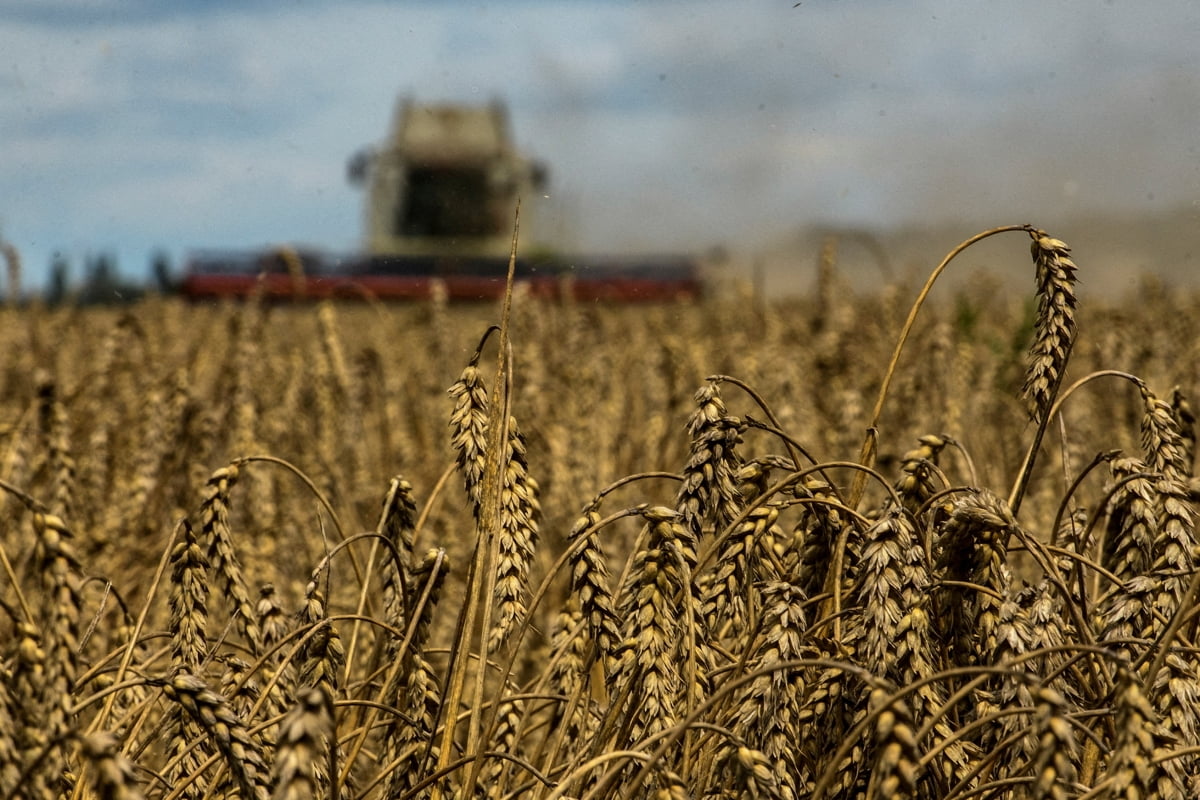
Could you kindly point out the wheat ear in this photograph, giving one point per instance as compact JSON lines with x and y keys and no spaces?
{"x":520,"y":514}
{"x":211,"y":711}
{"x":650,"y":607}
{"x":10,"y":752}
{"x":1054,"y":763}
{"x":709,"y":494}
{"x":214,"y":531}
{"x":1054,"y":336}
{"x":896,"y":753}
{"x":767,"y":716}
{"x":590,"y":582}
{"x":113,"y":775}
{"x":189,"y":602}
{"x":1185,"y":419}
{"x":1132,"y":769}
{"x":299,"y":747}
{"x":1054,"y":331}
{"x":1162,"y":440}
{"x":973,"y":545}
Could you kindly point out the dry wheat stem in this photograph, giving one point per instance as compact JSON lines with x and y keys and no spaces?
{"x":499,"y":414}
{"x":1104,"y":457}
{"x":867,"y":457}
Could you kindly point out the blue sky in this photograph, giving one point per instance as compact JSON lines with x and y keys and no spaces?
{"x":127,"y":127}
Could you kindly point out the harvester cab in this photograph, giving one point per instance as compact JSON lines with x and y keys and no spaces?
{"x":445,"y":182}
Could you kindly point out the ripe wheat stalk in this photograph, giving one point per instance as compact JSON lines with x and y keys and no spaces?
{"x":230,"y":571}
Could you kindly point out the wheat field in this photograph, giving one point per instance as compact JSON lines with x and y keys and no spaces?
{"x":864,"y":544}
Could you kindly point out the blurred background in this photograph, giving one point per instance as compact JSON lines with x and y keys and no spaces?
{"x":132,"y":131}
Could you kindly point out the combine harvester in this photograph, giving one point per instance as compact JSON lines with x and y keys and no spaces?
{"x":441,"y":198}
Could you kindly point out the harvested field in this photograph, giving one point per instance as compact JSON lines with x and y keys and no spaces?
{"x":865,"y":544}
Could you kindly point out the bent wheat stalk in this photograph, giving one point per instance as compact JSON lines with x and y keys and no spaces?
{"x":870,"y":445}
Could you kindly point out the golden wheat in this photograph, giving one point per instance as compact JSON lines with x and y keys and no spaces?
{"x":229,"y":533}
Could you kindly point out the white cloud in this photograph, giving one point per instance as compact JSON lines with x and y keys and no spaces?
{"x":663,"y":124}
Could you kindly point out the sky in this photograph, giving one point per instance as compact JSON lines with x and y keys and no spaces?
{"x":129,"y":127}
